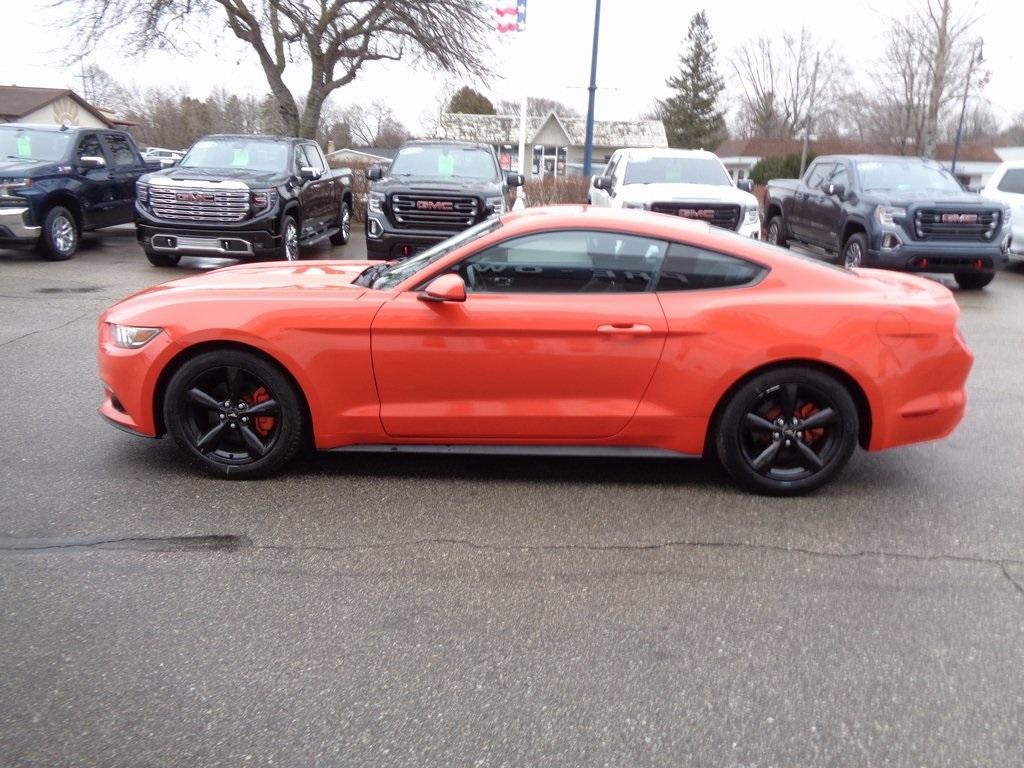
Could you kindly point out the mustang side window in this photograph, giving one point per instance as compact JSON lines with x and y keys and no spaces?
{"x":571,"y":261}
{"x":688,"y":268}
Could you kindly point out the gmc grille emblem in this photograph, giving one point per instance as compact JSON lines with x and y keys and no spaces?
{"x":435,"y":205}
{"x":697,"y":213}
{"x":194,"y":197}
{"x":959,"y":218}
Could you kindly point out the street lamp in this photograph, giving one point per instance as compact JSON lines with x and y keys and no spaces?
{"x":588,"y":147}
{"x":976,"y":59}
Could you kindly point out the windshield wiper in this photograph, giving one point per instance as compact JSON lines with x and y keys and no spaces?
{"x":371,"y":273}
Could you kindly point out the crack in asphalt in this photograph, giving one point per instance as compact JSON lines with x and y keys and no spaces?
{"x":46,"y":330}
{"x":233,"y":542}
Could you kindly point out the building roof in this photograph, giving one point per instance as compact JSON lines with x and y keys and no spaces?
{"x":504,"y":129}
{"x":18,"y":101}
{"x":969,"y":153}
{"x":371,"y":153}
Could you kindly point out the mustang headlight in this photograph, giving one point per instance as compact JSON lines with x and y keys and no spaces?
{"x":635,"y":206}
{"x":374,"y":201}
{"x":132,"y":336}
{"x":886,"y":215}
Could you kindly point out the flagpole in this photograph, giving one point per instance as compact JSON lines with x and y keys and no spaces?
{"x":523,"y":105}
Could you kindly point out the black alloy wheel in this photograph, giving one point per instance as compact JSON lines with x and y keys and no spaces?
{"x":234,"y":414}
{"x":787,"y":431}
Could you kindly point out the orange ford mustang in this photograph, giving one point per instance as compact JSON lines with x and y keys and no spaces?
{"x":555,"y":330}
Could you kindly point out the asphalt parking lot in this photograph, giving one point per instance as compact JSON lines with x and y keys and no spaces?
{"x":417,"y":610}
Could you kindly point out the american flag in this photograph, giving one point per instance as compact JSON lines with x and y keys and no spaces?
{"x":506,"y":11}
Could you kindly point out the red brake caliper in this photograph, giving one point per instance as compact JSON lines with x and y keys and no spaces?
{"x":263,"y":424}
{"x":806,"y":411}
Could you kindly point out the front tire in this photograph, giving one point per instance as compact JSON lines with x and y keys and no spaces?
{"x":787,"y":431}
{"x":973,"y":281}
{"x":855,"y":251}
{"x":59,"y":238}
{"x":160,"y":259}
{"x":341,"y":237}
{"x":289,"y":248}
{"x":776,"y":232}
{"x":234,"y":414}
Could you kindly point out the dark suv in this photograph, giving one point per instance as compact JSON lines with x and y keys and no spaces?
{"x":893,"y":212}
{"x":433,"y":190}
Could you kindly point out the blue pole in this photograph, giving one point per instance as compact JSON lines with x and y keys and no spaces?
{"x":588,"y":149}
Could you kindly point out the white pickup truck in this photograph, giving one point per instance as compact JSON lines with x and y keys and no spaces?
{"x":690,"y":183}
{"x":1007,"y":186}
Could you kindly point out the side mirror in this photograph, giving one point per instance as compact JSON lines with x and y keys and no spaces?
{"x":836,"y":190}
{"x":308,"y":173}
{"x":745,"y":184}
{"x":88,"y":162}
{"x":450,"y":287}
{"x":604,"y":182}
{"x":514,"y":179}
{"x":374,"y":174}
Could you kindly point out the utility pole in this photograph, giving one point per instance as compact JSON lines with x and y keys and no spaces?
{"x":588,"y":149}
{"x":807,"y":118}
{"x":975,"y":59}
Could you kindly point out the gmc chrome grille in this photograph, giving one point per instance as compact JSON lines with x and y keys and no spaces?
{"x":433,"y":211}
{"x":724,"y":216}
{"x":956,"y":224}
{"x":199,"y":203}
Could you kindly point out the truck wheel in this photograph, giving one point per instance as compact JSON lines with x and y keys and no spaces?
{"x":344,"y":226}
{"x":289,"y":249}
{"x":777,"y":232}
{"x":973,"y":281}
{"x":158,"y":259}
{"x":59,"y":239}
{"x":855,"y":251}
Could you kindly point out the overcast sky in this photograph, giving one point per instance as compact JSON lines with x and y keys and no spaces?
{"x":640,"y":43}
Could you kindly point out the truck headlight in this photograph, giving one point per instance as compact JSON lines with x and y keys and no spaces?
{"x":374,"y":202}
{"x":497,"y":205}
{"x":1007,"y":217}
{"x":753,"y":216}
{"x":634,"y":206}
{"x":142,"y":191}
{"x":263,"y":199}
{"x":886,"y":215}
{"x":10,"y":187}
{"x":132,"y":336}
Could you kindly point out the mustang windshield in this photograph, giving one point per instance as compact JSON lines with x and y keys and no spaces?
{"x":247,"y":154}
{"x":394,"y":274}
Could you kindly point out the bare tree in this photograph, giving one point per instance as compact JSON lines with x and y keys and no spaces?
{"x":774,"y":84}
{"x":374,"y":126}
{"x":946,"y":53}
{"x":335,"y":37}
{"x":538,"y":106}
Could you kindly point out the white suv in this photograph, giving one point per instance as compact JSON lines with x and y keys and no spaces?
{"x":1007,"y":186}
{"x":680,"y":182}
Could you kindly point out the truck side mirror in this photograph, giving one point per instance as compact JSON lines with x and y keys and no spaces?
{"x":746,"y":185}
{"x":374,"y":173}
{"x":836,"y":190}
{"x":514,"y":179}
{"x":88,"y":162}
{"x":604,"y":182}
{"x":308,"y":173}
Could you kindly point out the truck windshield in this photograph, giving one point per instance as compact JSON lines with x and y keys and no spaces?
{"x":247,"y":154}
{"x":30,"y":144}
{"x":904,"y":174}
{"x":382,"y":276}
{"x":676,"y":170}
{"x":445,"y":162}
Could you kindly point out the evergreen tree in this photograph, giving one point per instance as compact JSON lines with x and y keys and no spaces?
{"x":691,"y":114}
{"x":470,"y":102}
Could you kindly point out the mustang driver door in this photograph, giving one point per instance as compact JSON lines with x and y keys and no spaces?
{"x":558,"y":338}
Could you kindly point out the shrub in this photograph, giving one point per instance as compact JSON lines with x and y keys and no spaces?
{"x":787,"y":167}
{"x":360,"y":188}
{"x":563,"y":190}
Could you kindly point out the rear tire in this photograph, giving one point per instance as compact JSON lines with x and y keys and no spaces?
{"x":158,"y":259}
{"x":787,"y":431}
{"x":341,"y":237}
{"x":59,"y":238}
{"x":973,"y":281}
{"x":234,"y":414}
{"x":775,"y":234}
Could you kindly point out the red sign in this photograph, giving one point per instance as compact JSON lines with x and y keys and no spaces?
{"x":435,"y":205}
{"x":959,"y":218}
{"x":697,"y":213}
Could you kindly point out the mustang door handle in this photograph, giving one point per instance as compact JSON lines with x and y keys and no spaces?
{"x":625,"y":329}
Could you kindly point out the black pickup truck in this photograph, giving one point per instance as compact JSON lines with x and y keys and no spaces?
{"x":891,"y":212}
{"x":243,"y":197}
{"x":433,"y":190}
{"x":57,"y":182}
